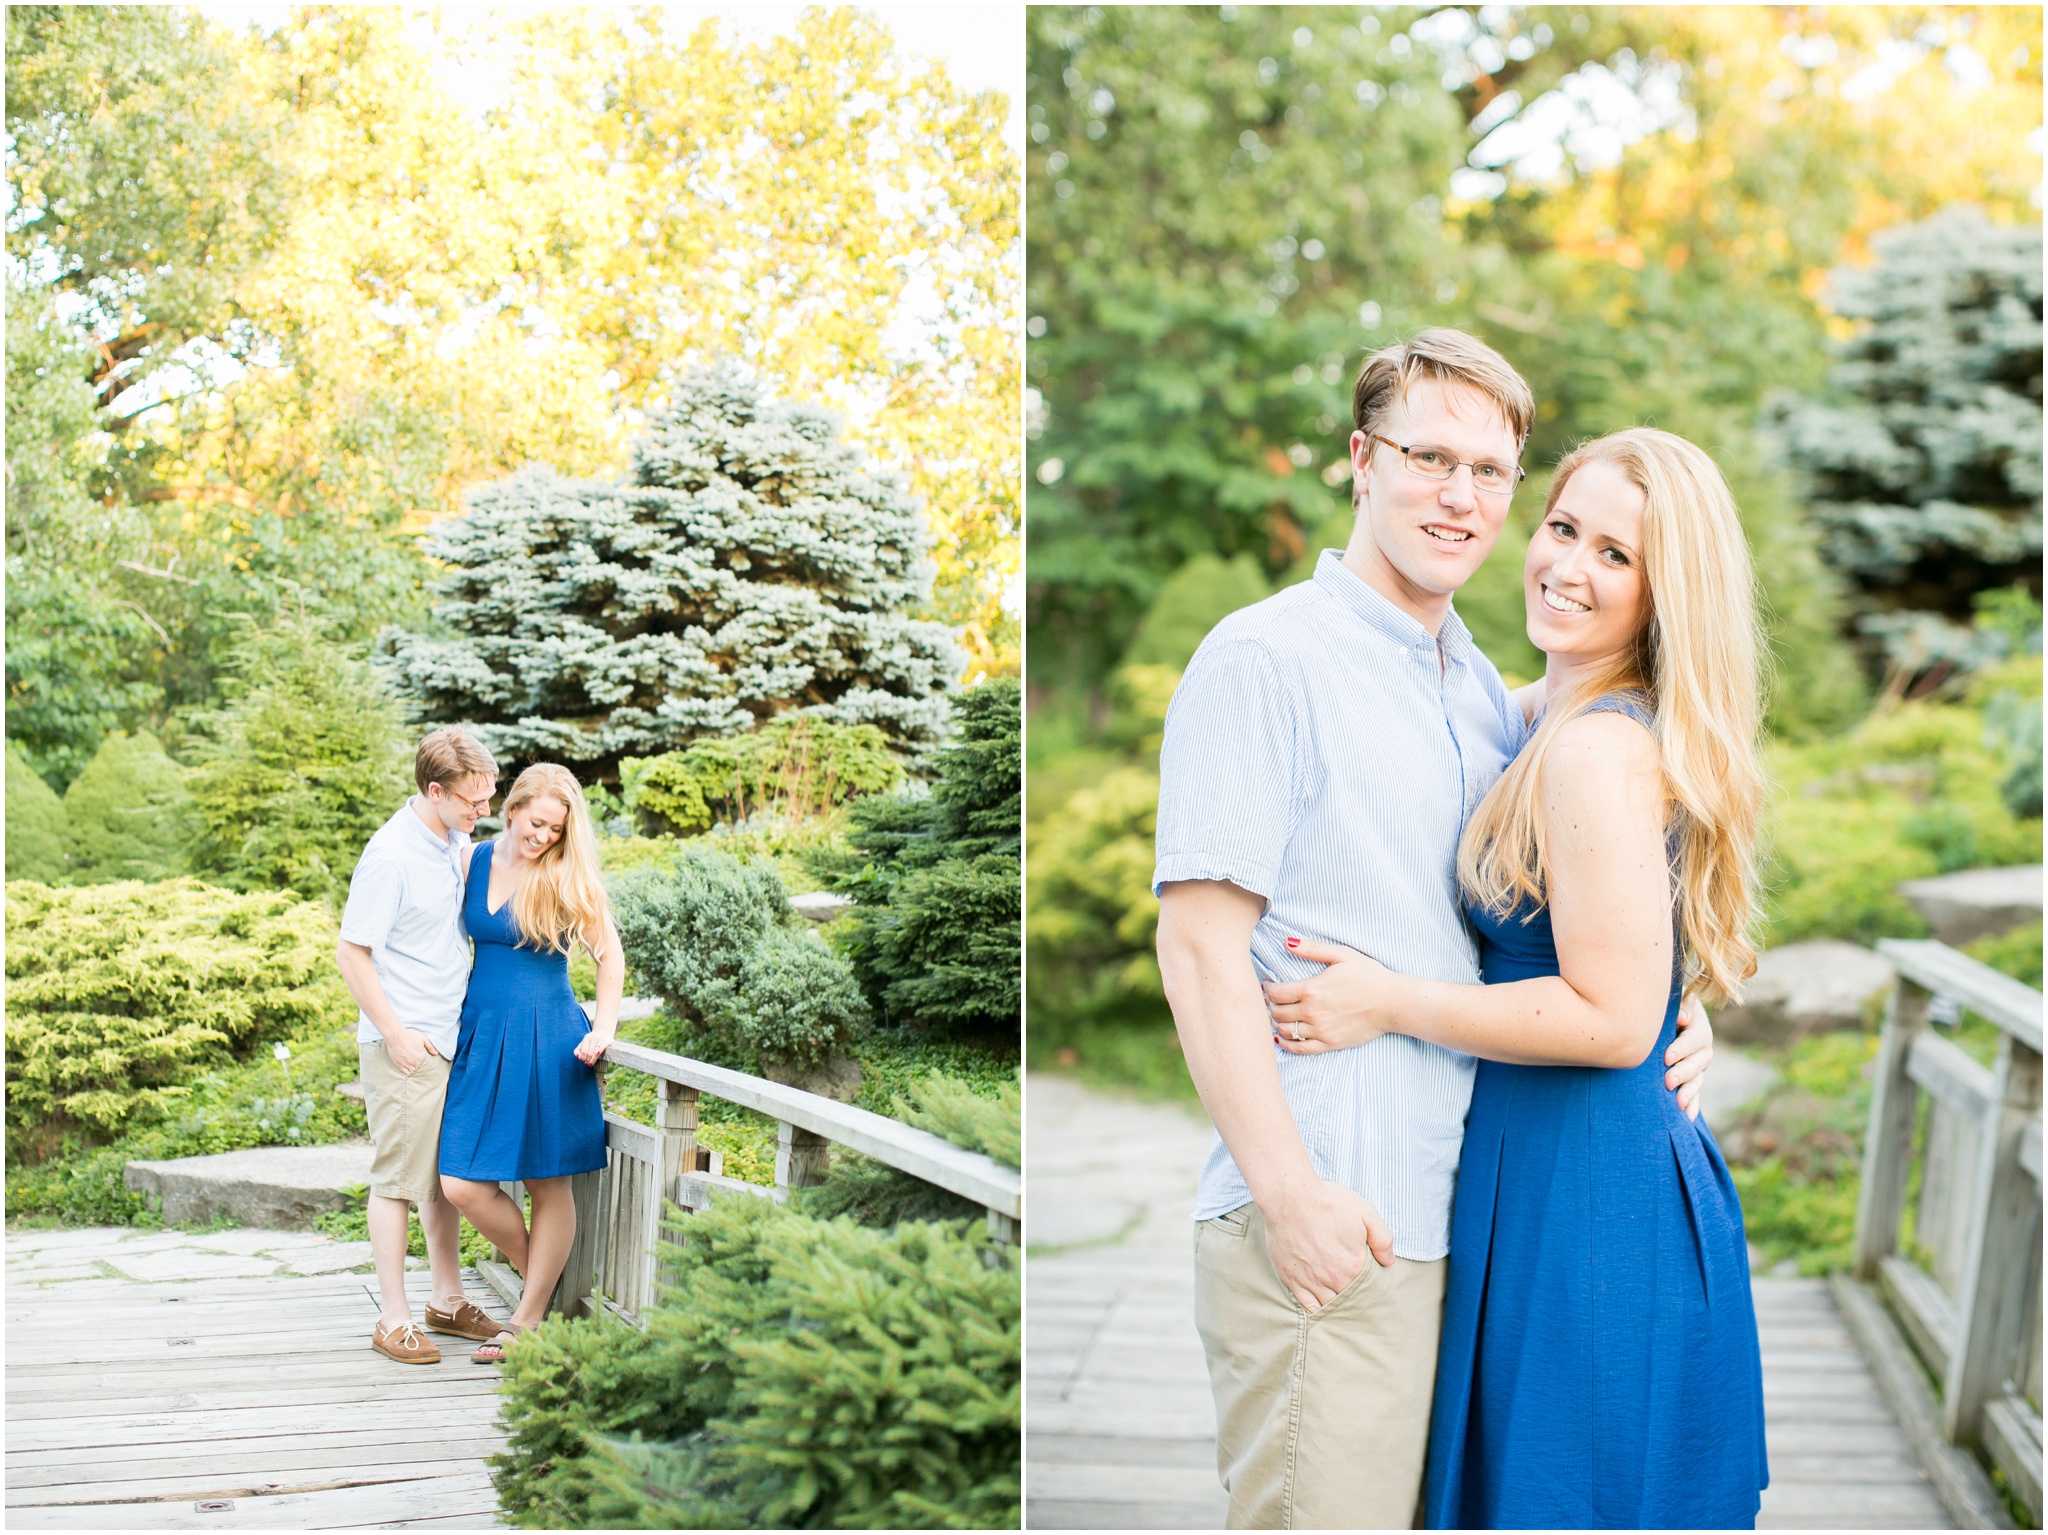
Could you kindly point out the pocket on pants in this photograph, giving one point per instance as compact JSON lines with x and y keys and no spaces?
{"x":1230,"y":1226}
{"x":1358,"y":1284}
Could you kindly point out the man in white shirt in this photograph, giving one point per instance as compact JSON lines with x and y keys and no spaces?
{"x":405,"y":956}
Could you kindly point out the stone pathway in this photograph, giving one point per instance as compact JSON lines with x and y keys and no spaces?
{"x":1119,"y":1423}
{"x":152,"y":1257}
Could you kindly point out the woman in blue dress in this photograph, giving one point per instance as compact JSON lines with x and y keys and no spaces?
{"x":522,"y":1090}
{"x":1598,"y":1365}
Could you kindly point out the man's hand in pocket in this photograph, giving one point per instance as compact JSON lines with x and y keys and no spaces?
{"x":1321,"y":1238}
{"x":408,"y":1048}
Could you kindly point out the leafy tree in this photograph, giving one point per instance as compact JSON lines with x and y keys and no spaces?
{"x":1191,"y":602}
{"x":305,"y":760}
{"x":934,"y":933}
{"x":81,"y":651}
{"x":145,"y":174}
{"x":1926,"y":469}
{"x":746,"y":565}
{"x":1225,"y":208}
{"x":36,"y":832}
{"x":128,"y":814}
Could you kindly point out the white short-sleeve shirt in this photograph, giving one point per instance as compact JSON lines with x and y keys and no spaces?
{"x":1324,"y":750}
{"x":405,"y":907}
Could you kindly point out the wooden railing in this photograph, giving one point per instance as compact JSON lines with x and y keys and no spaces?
{"x":620,"y":1211}
{"x":1973,"y":1312}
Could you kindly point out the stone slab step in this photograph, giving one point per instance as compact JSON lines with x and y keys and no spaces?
{"x":280,"y":1188}
{"x":1976,"y":903}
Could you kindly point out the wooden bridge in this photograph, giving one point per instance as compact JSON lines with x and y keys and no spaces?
{"x":225,"y":1399}
{"x":1119,"y":1424}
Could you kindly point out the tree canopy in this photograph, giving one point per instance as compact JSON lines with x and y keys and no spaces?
{"x":279,"y":298}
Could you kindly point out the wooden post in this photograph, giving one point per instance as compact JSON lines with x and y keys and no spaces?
{"x":801,"y":1158}
{"x":579,"y":1274}
{"x":1888,"y":1147}
{"x":676,"y":1118}
{"x":1991,"y":1300}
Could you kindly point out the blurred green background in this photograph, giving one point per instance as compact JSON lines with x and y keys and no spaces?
{"x":1806,"y":238}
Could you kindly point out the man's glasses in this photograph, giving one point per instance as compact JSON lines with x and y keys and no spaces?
{"x":480,"y":806}
{"x":1435,"y":464}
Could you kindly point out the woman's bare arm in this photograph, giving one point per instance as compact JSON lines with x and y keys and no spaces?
{"x":1610,"y":912}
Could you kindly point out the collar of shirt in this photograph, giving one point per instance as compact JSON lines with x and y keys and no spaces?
{"x":450,"y":847}
{"x":1453,"y":641}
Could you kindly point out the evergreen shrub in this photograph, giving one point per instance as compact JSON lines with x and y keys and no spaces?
{"x":309,"y":756}
{"x":714,"y":936}
{"x":747,"y":564}
{"x":119,"y":995}
{"x":795,"y":767}
{"x":128,"y":814}
{"x":257,"y":1102}
{"x":798,"y":1373}
{"x":36,"y":829}
{"x":935,"y":932}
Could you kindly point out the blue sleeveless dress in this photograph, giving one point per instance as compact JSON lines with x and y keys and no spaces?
{"x":520,"y":1105}
{"x":1599,"y":1364}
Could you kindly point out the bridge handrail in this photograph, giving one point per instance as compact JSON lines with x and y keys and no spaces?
{"x":2013,"y":1005}
{"x":1974,"y":1319}
{"x":970,"y":1174}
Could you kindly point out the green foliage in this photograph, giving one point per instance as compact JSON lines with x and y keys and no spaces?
{"x":128,"y":813}
{"x":934,"y":934}
{"x":748,"y":564}
{"x":81,"y":648}
{"x":977,"y":1115}
{"x":955,"y":1110}
{"x":119,"y":995}
{"x":245,"y":1103}
{"x":1190,"y":603}
{"x":798,"y":1373}
{"x":1211,"y":203}
{"x":1795,"y":1155}
{"x":36,"y":830}
{"x":1926,"y":477}
{"x":1912,"y":791}
{"x":307,"y":759}
{"x":2017,"y":953}
{"x":796,"y":767}
{"x":714,"y":936}
{"x":1093,"y":917}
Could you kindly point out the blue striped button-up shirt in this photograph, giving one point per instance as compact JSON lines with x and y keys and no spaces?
{"x":1323,"y":751}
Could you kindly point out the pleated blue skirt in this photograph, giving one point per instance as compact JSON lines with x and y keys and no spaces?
{"x":1599,"y":1366}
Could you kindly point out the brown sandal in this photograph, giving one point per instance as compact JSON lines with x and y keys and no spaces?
{"x":492,"y":1350}
{"x":468,"y":1320}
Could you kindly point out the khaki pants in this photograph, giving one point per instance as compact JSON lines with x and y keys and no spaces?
{"x":405,"y":1123}
{"x":1322,"y":1417}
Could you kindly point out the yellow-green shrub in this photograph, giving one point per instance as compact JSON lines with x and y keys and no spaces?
{"x":119,"y":994}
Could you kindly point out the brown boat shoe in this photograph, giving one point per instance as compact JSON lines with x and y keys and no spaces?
{"x":468,"y":1320}
{"x":404,"y":1343}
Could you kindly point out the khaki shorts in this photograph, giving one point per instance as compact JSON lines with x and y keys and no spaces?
{"x":405,"y":1124}
{"x":1322,"y":1417}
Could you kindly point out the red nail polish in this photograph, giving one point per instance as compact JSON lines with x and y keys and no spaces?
{"x":1294,"y":943}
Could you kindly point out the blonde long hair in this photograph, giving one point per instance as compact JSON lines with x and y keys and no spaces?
{"x":562,"y":900}
{"x":1698,"y":659}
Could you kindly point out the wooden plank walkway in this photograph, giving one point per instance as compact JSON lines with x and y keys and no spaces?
{"x":1119,"y":1426}
{"x":130,"y":1405}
